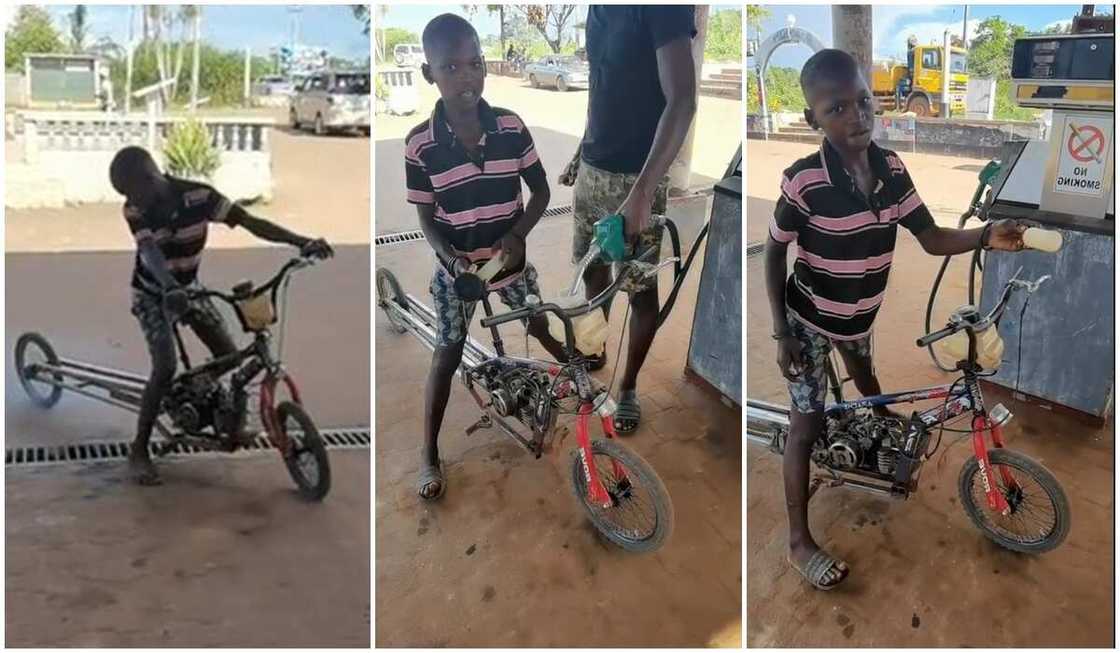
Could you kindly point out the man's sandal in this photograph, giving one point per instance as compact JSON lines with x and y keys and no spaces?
{"x":820,"y":568}
{"x":430,"y":474}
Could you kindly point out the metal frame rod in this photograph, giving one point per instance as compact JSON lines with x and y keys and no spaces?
{"x":104,"y":371}
{"x":110,"y":383}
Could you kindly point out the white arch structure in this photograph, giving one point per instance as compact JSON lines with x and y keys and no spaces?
{"x":766,"y":49}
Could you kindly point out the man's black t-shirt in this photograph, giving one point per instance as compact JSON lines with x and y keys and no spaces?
{"x":625,"y":100}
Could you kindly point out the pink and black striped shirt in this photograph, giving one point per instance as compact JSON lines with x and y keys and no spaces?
{"x":845,"y":240}
{"x":476,"y":202}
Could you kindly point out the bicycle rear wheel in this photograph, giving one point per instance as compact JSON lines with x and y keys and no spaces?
{"x":33,"y":349}
{"x":307,"y":463}
{"x":1040,"y":516}
{"x":640,"y":518}
{"x":389,"y":290}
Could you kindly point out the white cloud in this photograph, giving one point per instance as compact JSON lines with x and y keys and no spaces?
{"x":893,"y":43}
{"x":1057,"y":23}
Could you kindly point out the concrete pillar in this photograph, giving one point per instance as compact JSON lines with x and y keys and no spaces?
{"x":680,"y":171}
{"x":851,"y":32}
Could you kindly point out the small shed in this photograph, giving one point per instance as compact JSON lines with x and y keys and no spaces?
{"x":62,"y":80}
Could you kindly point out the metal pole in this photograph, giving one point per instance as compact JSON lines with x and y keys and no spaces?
{"x":964,"y":29}
{"x":128,"y":63}
{"x":194,"y":62}
{"x":946,"y":55}
{"x":248,"y":61}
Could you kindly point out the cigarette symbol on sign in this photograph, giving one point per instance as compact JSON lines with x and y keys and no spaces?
{"x":1085,"y":143}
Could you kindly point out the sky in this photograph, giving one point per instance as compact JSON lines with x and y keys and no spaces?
{"x":259,"y":27}
{"x":893,"y":24}
{"x":414,"y":17}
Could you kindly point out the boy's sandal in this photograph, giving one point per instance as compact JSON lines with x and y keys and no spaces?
{"x":628,"y":413}
{"x":431,"y":474}
{"x":821,"y":570}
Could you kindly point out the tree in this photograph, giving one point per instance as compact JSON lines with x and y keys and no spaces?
{"x":725,"y":36}
{"x":361,"y":12}
{"x":79,"y":29}
{"x":990,"y":51}
{"x":30,"y":31}
{"x":394,"y":36}
{"x":755,"y":15}
{"x":543,"y":17}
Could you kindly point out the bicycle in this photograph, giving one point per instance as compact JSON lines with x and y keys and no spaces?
{"x":884,"y":455}
{"x":611,"y":482}
{"x":206,"y":409}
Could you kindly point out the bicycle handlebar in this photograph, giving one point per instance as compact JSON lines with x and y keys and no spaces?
{"x":294,"y":263}
{"x":993,"y":316}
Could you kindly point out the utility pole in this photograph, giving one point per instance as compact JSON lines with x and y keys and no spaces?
{"x":248,"y":62}
{"x":964,"y":29}
{"x":946,"y":56}
{"x":128,"y":61}
{"x":194,"y":62}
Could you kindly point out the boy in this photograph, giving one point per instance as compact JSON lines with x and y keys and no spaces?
{"x":169,"y":218}
{"x":842,"y":206}
{"x":463,"y":169}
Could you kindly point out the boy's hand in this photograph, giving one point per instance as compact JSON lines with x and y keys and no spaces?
{"x":512,"y":247}
{"x":789,"y":357}
{"x":1006,"y":235}
{"x":636,"y":212}
{"x":317,"y":248}
{"x":175,"y":302}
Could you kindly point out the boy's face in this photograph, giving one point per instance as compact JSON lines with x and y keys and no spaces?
{"x":148,"y":187}
{"x":459,"y":71}
{"x":844,"y":109}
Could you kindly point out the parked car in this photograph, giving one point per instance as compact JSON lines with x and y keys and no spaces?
{"x":274,"y":85}
{"x":408,"y":55}
{"x":561,"y":71}
{"x":332,"y":101}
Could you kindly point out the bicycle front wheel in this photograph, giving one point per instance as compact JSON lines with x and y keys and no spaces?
{"x":307,"y":463}
{"x":1039,"y":520}
{"x":640,"y":517}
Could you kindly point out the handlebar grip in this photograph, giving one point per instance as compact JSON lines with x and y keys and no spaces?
{"x":1042,"y":239}
{"x":930,"y":338}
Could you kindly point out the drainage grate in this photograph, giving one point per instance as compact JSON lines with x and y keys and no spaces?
{"x":412,"y":236}
{"x":118,"y":450}
{"x":755,"y":249}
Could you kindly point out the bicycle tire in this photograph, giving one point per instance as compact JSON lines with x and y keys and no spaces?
{"x":27,"y":340}
{"x":389,"y":289}
{"x":310,"y":442}
{"x":1023,"y":465}
{"x":639,"y":470}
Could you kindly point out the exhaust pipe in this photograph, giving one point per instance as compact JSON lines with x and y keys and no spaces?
{"x":764,"y":420}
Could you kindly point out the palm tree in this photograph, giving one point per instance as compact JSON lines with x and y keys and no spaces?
{"x":79,"y":28}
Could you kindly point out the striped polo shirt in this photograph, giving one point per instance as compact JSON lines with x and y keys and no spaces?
{"x":476,"y":202}
{"x":845,"y":240}
{"x":178,"y":229}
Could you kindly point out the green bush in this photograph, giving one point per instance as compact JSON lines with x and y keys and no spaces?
{"x":189,"y":151}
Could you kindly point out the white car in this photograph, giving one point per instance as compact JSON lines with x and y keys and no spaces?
{"x":408,"y":55}
{"x":332,"y":101}
{"x":561,"y":71}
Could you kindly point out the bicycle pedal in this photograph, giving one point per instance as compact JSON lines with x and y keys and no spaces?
{"x":484,"y":422}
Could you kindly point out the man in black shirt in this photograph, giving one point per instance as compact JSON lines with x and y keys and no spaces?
{"x":641,"y":103}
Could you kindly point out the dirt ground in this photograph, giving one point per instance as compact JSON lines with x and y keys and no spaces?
{"x":506,"y":558}
{"x":922,"y":575}
{"x":556,"y":121}
{"x":224,"y":553}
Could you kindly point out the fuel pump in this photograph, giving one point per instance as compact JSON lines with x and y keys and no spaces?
{"x":1065,"y":184}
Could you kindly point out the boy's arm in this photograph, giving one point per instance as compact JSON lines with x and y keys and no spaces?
{"x":775,"y":269}
{"x":532,"y":171}
{"x":263,"y":229}
{"x":1005,"y":235}
{"x":444,"y":251}
{"x":153,"y":260}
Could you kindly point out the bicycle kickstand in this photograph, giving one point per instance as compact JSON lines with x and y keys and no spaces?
{"x":483,"y":422}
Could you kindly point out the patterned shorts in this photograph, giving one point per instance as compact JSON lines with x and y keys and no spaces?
{"x":599,"y":193}
{"x":453,"y":315}
{"x":808,"y":392}
{"x":203,"y":318}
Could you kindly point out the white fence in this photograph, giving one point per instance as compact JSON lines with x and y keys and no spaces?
{"x":65,"y":156}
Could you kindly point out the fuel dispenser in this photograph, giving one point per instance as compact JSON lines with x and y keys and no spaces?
{"x":1065,"y":355}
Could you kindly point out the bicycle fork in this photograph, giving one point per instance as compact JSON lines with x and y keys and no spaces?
{"x":596,"y":492}
{"x":997,"y":502}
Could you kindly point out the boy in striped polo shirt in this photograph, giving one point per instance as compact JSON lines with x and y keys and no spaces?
{"x":463,"y":169}
{"x":842,"y":206}
{"x":169,"y":218}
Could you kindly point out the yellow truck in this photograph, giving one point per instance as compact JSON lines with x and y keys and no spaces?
{"x":898,"y":88}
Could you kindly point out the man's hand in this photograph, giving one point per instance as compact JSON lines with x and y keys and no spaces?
{"x":789,"y":357}
{"x":568,"y":177}
{"x":636,"y":210}
{"x":317,"y":248}
{"x":512,"y":248}
{"x":1006,"y":235}
{"x":175,"y":302}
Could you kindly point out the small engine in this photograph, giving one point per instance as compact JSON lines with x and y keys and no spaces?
{"x":862,"y":442}
{"x":198,"y":402}
{"x":523,"y":395}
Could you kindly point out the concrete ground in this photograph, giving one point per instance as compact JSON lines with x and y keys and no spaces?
{"x":506,"y":558}
{"x":922,"y":575}
{"x":224,"y":553}
{"x":556,"y":121}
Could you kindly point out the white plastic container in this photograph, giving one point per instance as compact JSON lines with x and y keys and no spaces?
{"x":589,"y":330}
{"x":989,"y":347}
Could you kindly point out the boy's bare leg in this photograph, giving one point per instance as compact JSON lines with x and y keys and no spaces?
{"x":643,"y":326}
{"x":803,"y":431}
{"x":863,"y":375}
{"x":445,"y":360}
{"x":596,"y":279}
{"x":538,"y":328}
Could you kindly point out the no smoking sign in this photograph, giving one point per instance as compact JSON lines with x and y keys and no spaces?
{"x":1084,"y":155}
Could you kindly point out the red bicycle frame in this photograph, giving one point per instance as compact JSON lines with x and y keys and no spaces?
{"x":269,"y":418}
{"x":596,"y":493}
{"x":996,"y":501}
